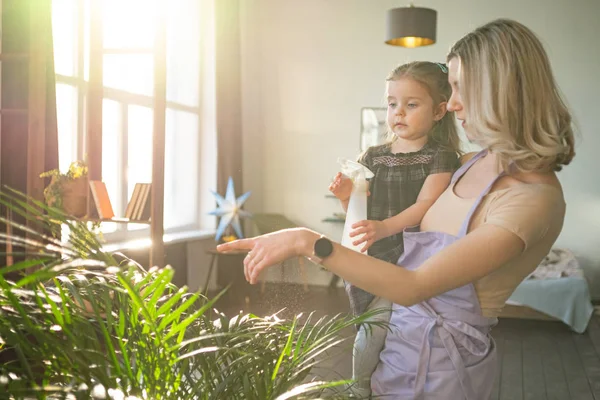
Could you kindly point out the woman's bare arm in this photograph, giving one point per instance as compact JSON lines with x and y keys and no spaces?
{"x":476,"y":255}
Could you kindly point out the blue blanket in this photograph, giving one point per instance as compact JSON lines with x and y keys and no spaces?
{"x":567,"y":299}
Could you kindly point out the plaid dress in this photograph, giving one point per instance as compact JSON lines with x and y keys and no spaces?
{"x":395,"y":187}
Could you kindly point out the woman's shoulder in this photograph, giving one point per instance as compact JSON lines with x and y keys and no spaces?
{"x":530,"y":184}
{"x":529,"y":210}
{"x":533,"y":190}
{"x":539,"y":198}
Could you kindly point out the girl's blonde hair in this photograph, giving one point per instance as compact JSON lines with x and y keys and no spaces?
{"x":511,"y":99}
{"x":434,"y":77}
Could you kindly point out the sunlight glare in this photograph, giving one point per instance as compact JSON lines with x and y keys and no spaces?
{"x":129,"y":23}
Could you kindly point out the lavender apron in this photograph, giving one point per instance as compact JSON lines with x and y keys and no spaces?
{"x":440,"y":348}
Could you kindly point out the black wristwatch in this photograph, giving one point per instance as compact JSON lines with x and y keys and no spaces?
{"x":322,"y":249}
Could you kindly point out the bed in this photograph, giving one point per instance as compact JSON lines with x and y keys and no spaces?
{"x":556,"y":290}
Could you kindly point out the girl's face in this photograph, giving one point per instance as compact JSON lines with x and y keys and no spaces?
{"x":411,"y":113}
{"x":455,"y":102}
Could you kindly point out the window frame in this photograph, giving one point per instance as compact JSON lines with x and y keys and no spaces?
{"x":124,"y":99}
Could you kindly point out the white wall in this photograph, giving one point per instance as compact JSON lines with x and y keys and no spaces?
{"x":309,"y":66}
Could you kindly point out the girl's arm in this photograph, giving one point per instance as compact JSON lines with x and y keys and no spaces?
{"x":373,"y":231}
{"x":344,"y":204}
{"x":341,"y":187}
{"x":476,"y":255}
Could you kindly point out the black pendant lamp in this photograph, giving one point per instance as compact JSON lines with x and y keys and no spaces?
{"x":410,"y":26}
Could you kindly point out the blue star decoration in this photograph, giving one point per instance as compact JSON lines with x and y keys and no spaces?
{"x":229,"y":209}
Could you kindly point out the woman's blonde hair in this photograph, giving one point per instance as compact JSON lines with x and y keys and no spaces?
{"x":511,"y":99}
{"x":434,"y":77}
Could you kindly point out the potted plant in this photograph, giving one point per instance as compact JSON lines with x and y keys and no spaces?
{"x":88,"y":323}
{"x":68,"y":191}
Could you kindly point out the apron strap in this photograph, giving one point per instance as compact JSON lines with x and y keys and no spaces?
{"x":450,"y":332}
{"x":456,"y":329}
{"x":467,"y":221}
{"x":461,"y":171}
{"x":423,"y":365}
{"x":457,"y":361}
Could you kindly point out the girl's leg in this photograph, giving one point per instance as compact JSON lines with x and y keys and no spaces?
{"x":368,"y":344}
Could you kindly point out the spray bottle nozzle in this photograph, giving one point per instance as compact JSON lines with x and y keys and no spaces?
{"x":354,"y":170}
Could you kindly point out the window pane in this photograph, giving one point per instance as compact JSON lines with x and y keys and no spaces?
{"x":183,"y":52}
{"x":129,"y":23}
{"x":139,"y":151}
{"x":111,"y":153}
{"x":66,"y":114}
{"x":64,"y":30}
{"x":130,"y":72}
{"x":181,"y":169}
{"x":87,"y":7}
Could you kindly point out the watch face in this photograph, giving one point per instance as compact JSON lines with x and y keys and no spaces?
{"x":323,"y":247}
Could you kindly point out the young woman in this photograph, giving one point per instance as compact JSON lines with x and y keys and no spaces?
{"x":496,"y":221}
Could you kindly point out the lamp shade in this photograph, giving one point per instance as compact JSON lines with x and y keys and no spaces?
{"x":410,"y":26}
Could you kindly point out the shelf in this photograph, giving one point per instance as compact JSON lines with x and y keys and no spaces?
{"x":114,"y":220}
{"x":119,"y":220}
{"x":334,"y":220}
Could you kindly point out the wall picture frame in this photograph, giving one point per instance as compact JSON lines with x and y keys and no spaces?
{"x":373,"y":127}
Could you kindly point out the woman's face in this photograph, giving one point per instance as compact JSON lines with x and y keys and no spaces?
{"x":455,"y":102}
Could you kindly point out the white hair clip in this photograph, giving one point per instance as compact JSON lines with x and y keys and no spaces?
{"x":443,"y":67}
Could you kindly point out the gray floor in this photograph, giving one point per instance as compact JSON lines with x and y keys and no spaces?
{"x":538,"y":359}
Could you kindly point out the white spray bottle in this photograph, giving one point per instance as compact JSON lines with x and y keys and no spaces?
{"x":357,"y":206}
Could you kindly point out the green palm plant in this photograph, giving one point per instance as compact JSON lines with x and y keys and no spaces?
{"x":79,"y":322}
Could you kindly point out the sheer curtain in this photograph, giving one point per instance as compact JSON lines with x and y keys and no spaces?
{"x":28,"y":97}
{"x":228,"y":95}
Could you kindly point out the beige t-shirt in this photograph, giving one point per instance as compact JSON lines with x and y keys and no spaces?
{"x":534,"y":212}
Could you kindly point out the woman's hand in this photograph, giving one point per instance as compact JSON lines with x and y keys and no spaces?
{"x":271,"y":249}
{"x":372,"y":231}
{"x":341,"y":187}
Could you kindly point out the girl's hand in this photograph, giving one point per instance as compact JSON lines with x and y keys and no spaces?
{"x":341,"y":187}
{"x":271,"y":249}
{"x":372,"y":231}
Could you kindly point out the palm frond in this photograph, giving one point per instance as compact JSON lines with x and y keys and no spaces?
{"x":86,"y":320}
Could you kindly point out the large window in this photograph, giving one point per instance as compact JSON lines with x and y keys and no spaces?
{"x":128,"y":79}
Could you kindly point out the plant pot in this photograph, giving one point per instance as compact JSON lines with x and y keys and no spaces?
{"x":74,"y":196}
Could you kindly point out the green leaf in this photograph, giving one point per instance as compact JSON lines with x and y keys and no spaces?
{"x":72,"y":321}
{"x":285,"y":352}
{"x":311,"y":387}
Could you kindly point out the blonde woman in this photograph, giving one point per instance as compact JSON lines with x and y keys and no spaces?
{"x":496,"y":221}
